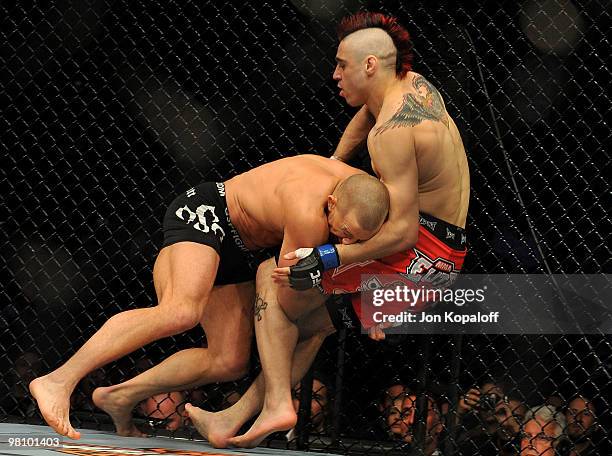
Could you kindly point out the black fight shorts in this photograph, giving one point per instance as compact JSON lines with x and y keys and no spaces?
{"x":341,"y":312}
{"x":200,"y":215}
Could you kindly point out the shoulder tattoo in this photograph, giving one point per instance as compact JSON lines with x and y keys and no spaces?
{"x":425,"y":104}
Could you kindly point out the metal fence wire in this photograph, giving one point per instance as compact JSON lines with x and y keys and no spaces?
{"x":109,"y":108}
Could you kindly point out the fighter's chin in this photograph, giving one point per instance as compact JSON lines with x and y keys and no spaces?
{"x":352,"y":102}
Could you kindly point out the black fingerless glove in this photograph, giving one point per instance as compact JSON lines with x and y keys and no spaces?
{"x":308,"y":272}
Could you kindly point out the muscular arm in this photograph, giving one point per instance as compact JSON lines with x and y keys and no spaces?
{"x":303,"y":228}
{"x":393,"y":153}
{"x":355,"y":134}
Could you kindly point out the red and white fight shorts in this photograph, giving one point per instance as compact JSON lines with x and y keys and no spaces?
{"x":434,"y":262}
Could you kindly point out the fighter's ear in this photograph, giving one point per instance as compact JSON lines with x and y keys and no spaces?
{"x":371,"y":62}
{"x":331,"y":202}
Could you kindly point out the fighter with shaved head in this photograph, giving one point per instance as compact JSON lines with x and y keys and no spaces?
{"x":214,"y":237}
{"x":417,"y":152}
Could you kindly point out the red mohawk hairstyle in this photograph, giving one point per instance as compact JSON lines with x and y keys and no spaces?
{"x":399,"y":35}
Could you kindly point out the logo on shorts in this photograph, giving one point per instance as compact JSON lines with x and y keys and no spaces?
{"x":449,"y":234}
{"x":463,"y":239}
{"x":346,"y":318}
{"x":221,"y":188}
{"x":201,"y":224}
{"x":370,"y":283}
{"x":234,"y":233}
{"x":439,"y":272}
{"x":342,"y":269}
{"x":428,"y":223}
{"x":190,"y":192}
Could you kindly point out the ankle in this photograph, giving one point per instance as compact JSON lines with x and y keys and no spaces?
{"x":123,"y":396}
{"x":61,"y":379}
{"x":278,"y":404}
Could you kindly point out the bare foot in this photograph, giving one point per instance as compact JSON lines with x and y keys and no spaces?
{"x":119,"y":407}
{"x":269,"y":421}
{"x":53,"y":399}
{"x":217,"y":428}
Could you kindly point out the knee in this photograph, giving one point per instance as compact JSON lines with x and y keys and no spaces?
{"x":237,"y":371}
{"x":233,"y":365}
{"x":317,"y":323}
{"x":178,"y":318}
{"x":186,"y":317}
{"x":264,"y":271}
{"x":320,"y":333}
{"x":326,"y":331}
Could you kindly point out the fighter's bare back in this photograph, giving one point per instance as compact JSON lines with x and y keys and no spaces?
{"x":304,"y":181}
{"x":443,"y":174}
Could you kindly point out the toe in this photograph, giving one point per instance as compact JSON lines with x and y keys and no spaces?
{"x":234,"y":441}
{"x":189,"y":408}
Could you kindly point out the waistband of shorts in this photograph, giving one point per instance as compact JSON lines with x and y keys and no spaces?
{"x":238,"y":242}
{"x":451,"y":235}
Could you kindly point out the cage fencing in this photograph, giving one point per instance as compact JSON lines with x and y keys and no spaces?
{"x":110,"y":108}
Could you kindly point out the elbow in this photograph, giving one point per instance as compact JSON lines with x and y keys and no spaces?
{"x":408,"y":239}
{"x":407,"y":244}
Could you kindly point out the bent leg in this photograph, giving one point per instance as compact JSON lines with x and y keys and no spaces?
{"x":218,"y":428}
{"x":277,"y":336}
{"x":183,"y":276}
{"x":227,"y":322}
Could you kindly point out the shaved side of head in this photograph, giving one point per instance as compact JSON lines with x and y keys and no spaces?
{"x":365,"y":196}
{"x":377,"y":22}
{"x":372,"y":41}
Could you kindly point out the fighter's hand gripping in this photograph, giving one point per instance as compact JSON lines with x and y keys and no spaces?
{"x":308,"y":272}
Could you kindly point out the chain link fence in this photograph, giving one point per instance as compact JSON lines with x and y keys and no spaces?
{"x":110,"y":108}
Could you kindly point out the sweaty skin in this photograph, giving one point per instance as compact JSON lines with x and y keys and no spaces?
{"x":416,"y":151}
{"x":443,"y":184}
{"x":414,"y":145}
{"x":281,"y":202}
{"x":299,"y":185}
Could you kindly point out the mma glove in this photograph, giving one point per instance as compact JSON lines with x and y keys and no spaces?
{"x":308,"y":272}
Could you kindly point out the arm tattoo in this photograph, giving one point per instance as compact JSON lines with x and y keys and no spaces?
{"x":260,"y":306}
{"x":416,"y":107}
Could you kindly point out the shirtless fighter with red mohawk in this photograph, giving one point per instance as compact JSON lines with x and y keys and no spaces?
{"x":417,"y":152}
